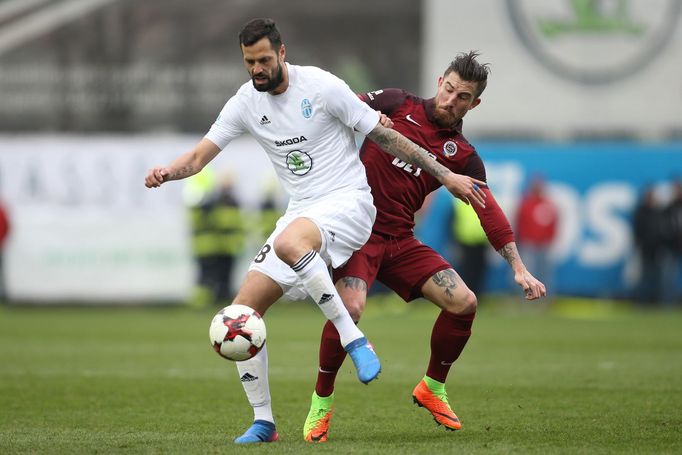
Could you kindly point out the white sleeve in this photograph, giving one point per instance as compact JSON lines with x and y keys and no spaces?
{"x":228,"y":125}
{"x":342,"y":103}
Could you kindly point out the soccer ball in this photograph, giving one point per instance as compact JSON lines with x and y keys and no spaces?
{"x":237,"y":332}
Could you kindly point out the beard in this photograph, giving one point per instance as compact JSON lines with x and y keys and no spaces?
{"x":443,"y":118}
{"x":271,"y":83}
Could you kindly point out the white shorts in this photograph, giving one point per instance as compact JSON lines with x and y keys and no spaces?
{"x":345,"y":222}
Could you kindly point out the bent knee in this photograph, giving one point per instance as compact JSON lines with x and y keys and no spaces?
{"x":287,"y":249}
{"x":466,"y":304}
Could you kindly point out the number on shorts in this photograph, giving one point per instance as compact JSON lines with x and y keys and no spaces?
{"x":260,"y":257}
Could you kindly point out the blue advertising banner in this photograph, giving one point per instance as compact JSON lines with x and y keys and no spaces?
{"x":595,"y":185}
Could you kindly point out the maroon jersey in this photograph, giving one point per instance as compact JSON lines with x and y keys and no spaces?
{"x":399,"y":188}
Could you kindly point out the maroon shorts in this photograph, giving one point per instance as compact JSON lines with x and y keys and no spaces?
{"x":403,"y":264}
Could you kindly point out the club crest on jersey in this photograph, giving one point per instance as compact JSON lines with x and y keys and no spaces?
{"x":306,"y":108}
{"x":449,"y":148}
{"x":298,"y":162}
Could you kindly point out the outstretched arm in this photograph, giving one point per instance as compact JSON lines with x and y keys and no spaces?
{"x":185,"y":165}
{"x":466,"y":188}
{"x":533,"y":288}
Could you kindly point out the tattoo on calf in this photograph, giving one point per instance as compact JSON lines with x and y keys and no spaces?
{"x":446,"y":279}
{"x":351,"y":282}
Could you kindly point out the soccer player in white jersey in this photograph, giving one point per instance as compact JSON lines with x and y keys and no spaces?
{"x":303,"y":117}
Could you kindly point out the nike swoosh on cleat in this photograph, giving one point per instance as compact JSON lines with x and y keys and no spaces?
{"x":443,"y":362}
{"x":320,"y":436}
{"x":409,"y":118}
{"x":446,"y":416}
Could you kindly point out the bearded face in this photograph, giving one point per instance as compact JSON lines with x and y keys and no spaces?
{"x":265,"y":66}
{"x":454,"y":98}
{"x":444,"y":117}
{"x":266,"y":81}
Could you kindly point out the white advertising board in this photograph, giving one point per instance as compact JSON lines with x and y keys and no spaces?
{"x":85,"y":229}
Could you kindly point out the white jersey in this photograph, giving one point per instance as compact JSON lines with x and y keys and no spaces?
{"x":307,"y":132}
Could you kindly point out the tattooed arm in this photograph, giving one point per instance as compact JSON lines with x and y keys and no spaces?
{"x":532,"y":288}
{"x":464,"y":187}
{"x":185,"y":165}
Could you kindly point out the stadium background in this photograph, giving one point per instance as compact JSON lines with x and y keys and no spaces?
{"x":93,"y":93}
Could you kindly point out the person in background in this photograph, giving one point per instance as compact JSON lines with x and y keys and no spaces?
{"x":219,"y":238}
{"x":672,"y":252}
{"x":4,"y":235}
{"x":471,"y":246}
{"x":537,"y":224}
{"x":648,"y":233}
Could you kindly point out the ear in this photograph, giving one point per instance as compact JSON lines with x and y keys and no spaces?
{"x":440,"y":81}
{"x":282,"y":52}
{"x":476,"y":102}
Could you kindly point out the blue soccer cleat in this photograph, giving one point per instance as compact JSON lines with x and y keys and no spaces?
{"x":365,"y":359}
{"x":260,"y":431}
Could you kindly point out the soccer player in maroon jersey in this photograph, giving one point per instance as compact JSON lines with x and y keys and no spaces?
{"x":396,"y":258}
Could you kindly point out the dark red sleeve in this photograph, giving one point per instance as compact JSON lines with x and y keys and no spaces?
{"x":475,"y":168}
{"x":386,"y":100}
{"x":494,"y":222}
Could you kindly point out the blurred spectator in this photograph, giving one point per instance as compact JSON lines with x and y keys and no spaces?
{"x":648,"y":229}
{"x":672,"y":251}
{"x":471,"y":246}
{"x":536,"y":228}
{"x":270,"y":210}
{"x":219,"y":233}
{"x":4,"y":234}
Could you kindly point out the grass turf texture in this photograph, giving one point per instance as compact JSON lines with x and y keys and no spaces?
{"x":570,"y":377}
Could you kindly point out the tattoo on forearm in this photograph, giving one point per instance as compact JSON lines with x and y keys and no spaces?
{"x":351,"y":282}
{"x":398,"y":145}
{"x":181,"y":173}
{"x":447,"y":279}
{"x":509,"y":253}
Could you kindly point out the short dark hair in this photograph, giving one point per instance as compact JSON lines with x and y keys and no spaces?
{"x":259,"y":28}
{"x":470,"y":70}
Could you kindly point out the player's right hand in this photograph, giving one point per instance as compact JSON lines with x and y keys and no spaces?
{"x":156,"y":177}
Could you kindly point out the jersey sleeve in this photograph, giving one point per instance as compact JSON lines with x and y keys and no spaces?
{"x":228,"y":125}
{"x":343,"y":104}
{"x":386,"y":100}
{"x":494,"y":222}
{"x":475,"y":167}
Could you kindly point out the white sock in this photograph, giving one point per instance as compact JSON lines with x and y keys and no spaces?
{"x":313,"y":272}
{"x":253,"y":374}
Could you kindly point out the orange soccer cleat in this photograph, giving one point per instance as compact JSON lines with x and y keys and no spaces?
{"x":437,"y":404}
{"x":316,"y":427}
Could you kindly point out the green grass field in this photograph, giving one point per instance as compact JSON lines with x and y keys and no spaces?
{"x":573,"y":377}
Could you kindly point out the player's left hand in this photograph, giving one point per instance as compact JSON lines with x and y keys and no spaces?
{"x":468,"y":189}
{"x":385,"y":120}
{"x":532,"y":287}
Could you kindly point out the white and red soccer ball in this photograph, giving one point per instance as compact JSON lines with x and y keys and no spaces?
{"x":237,"y":332}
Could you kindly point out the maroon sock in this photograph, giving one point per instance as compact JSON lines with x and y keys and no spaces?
{"x":448,"y":338}
{"x":332,"y":356}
